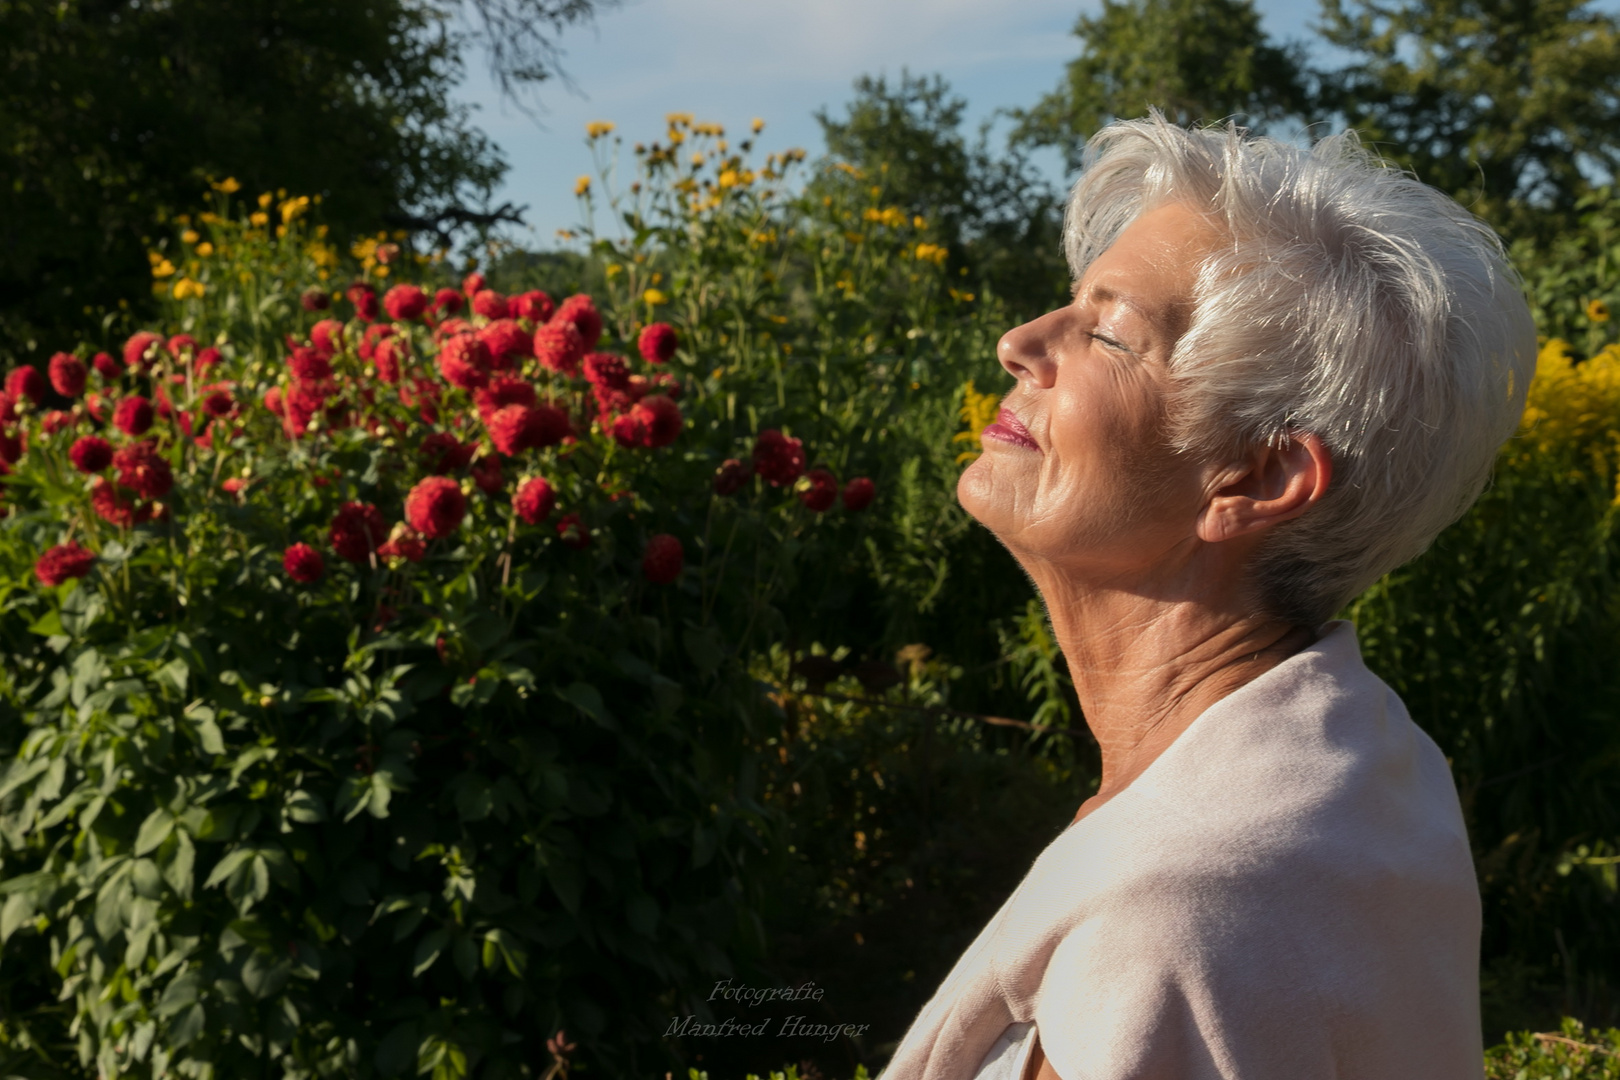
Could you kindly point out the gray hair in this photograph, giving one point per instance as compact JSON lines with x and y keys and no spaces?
{"x":1353,"y":302}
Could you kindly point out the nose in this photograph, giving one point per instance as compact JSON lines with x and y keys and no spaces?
{"x":1025,"y":351}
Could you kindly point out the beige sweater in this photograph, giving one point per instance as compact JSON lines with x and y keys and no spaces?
{"x":1286,"y":893}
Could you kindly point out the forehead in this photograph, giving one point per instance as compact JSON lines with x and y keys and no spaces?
{"x":1152,"y":266}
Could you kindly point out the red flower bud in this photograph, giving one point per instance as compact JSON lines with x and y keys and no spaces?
{"x":535,"y":500}
{"x":327,"y":336}
{"x":143,"y":470}
{"x":405,"y":303}
{"x":486,"y":473}
{"x":364,"y":299}
{"x":464,"y":361}
{"x":662,"y":561}
{"x":303,"y":564}
{"x":572,"y":531}
{"x":435,"y":507}
{"x":777,"y":458}
{"x":580,"y":310}
{"x":559,"y":347}
{"x":535,"y":306}
{"x":472,"y":284}
{"x":140,"y":349}
{"x":357,"y":531}
{"x":133,"y":416}
{"x":106,"y":366}
{"x":26,"y":382}
{"x":315,"y":299}
{"x":90,"y":453}
{"x":731,"y":476}
{"x":657,"y":343}
{"x":818,"y":490}
{"x":62,"y":562}
{"x":858,"y":494}
{"x":448,"y":301}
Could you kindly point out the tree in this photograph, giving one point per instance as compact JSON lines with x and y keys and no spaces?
{"x":992,"y":210}
{"x":1512,"y":106}
{"x":115,"y":112}
{"x":1195,"y":60}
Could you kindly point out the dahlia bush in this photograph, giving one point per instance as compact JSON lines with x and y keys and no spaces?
{"x":376,"y":699}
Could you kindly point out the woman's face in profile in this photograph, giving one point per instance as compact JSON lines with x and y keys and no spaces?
{"x":1077,"y":470}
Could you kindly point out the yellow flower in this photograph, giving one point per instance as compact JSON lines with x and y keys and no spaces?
{"x":697,"y":159}
{"x":163,"y":268}
{"x":259,"y":220}
{"x":655,"y":296}
{"x":205,"y":249}
{"x":977,"y":412}
{"x":729,"y":178}
{"x":229,"y":185}
{"x":190,"y":236}
{"x":758,"y":125}
{"x":613,"y":270}
{"x":265,"y":200}
{"x":930,"y":253}
{"x":1597,"y":311}
{"x":185,"y":289}
{"x":676,"y":118}
{"x":598,"y":128}
{"x":919,"y":222}
{"x":582,"y":185}
{"x":292,"y":208}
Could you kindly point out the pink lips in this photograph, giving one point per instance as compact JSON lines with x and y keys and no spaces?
{"x":1009,"y":429}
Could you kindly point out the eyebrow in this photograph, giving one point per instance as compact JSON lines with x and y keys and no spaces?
{"x":1103,"y":294}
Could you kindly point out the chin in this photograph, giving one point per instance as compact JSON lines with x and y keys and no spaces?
{"x":977,"y":494}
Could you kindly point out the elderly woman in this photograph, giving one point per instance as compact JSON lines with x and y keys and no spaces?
{"x":1283,"y":372}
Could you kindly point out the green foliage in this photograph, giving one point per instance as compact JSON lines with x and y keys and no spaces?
{"x":998,"y":219}
{"x":1194,"y":60}
{"x":1567,"y":272}
{"x":1571,"y":1053}
{"x":113,"y":113}
{"x":1509,"y":107}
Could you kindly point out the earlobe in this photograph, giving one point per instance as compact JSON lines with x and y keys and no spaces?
{"x":1275,"y":484}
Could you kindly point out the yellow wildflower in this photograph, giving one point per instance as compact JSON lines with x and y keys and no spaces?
{"x":265,"y":200}
{"x":697,"y":159}
{"x":598,"y":128}
{"x":933,"y":253}
{"x":229,"y":185}
{"x":675,"y":119}
{"x":613,"y":270}
{"x":185,"y":289}
{"x":292,"y":208}
{"x":729,"y":178}
{"x":163,"y":268}
{"x":758,"y":125}
{"x":190,"y":236}
{"x":259,"y":220}
{"x":655,"y":296}
{"x":919,"y":222}
{"x":582,"y":185}
{"x":978,"y":410}
{"x":205,"y":249}
{"x":1597,"y":311}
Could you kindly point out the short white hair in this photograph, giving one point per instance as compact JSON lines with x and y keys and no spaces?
{"x":1353,"y":302}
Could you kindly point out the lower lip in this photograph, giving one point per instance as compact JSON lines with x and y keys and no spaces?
{"x":1003,"y":433}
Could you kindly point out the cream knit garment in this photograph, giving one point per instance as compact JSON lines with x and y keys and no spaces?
{"x":1286,"y":893}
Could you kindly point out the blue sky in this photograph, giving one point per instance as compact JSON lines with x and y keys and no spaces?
{"x":728,"y":61}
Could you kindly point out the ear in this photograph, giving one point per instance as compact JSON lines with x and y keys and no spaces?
{"x":1274,"y":484}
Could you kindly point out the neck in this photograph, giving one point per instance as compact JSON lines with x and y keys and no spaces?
{"x":1147,"y":661}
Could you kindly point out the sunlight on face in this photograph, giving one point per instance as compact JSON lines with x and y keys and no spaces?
{"x":1077,"y":471}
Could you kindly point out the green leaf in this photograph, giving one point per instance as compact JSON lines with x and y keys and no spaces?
{"x":475,"y":798}
{"x":173,"y":677}
{"x":588,"y":700}
{"x":566,"y":881}
{"x":154,"y":830}
{"x":704,"y":647}
{"x":181,"y":992}
{"x":228,"y":866}
{"x":305,"y":808}
{"x":177,"y":871}
{"x":188,"y":1027}
{"x":18,"y":909}
{"x":428,"y":950}
{"x":396,"y":1052}
{"x":263,"y":977}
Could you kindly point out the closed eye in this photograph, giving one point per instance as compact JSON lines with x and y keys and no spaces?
{"x":1108,"y":341}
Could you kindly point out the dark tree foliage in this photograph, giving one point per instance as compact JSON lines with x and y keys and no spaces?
{"x":1512,"y":106}
{"x":115,"y":112}
{"x":994,"y":213}
{"x":1194,"y":60}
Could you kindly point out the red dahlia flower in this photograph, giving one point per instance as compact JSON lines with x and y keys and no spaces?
{"x":486,"y":473}
{"x":235,"y":486}
{"x":315,"y":299}
{"x":777,"y":458}
{"x":133,"y":416}
{"x":464,"y":361}
{"x":405,"y":303}
{"x":358,"y":530}
{"x":472,"y":284}
{"x":8,"y":409}
{"x":657,"y":343}
{"x":661,"y":419}
{"x":731,"y":476}
{"x":55,"y":421}
{"x":503,"y":390}
{"x":143,"y":470}
{"x":364,"y":299}
{"x":62,"y":562}
{"x":207,"y":359}
{"x":445,"y":453}
{"x":386,"y":358}
{"x":447,"y":300}
{"x":559,"y":347}
{"x":517,"y":428}
{"x":535,"y":306}
{"x":449,"y":328}
{"x":106,"y":366}
{"x":424,"y":394}
{"x":628,"y":431}
{"x":327,"y":336}
{"x":535,"y":500}
{"x":571,"y":530}
{"x":507,"y":342}
{"x":219,"y":403}
{"x":90,"y":453}
{"x":140,"y":349}
{"x":26,"y":382}
{"x":13,"y":447}
{"x":114,"y":508}
{"x":404,"y":543}
{"x":273,"y":401}
{"x":435,"y":507}
{"x":303,"y":564}
{"x":181,"y":343}
{"x":309,"y":365}
{"x":490,"y":304}
{"x":373,"y":335}
{"x":580,"y":310}
{"x":68,"y":374}
{"x":607,"y":371}
{"x":661,"y":564}
{"x":818,"y":490}
{"x":858,"y":494}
